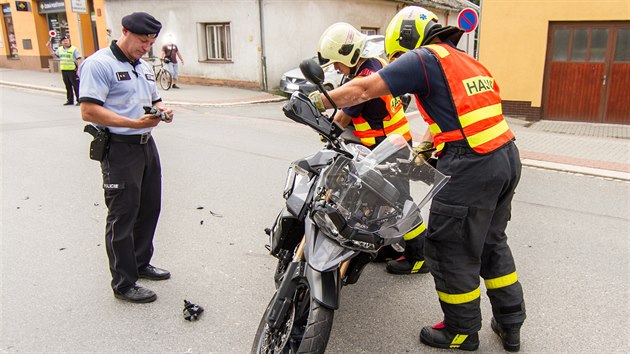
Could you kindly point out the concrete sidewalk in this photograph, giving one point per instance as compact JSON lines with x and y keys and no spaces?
{"x":586,"y":148}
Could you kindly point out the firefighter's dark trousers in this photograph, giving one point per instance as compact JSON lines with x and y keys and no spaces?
{"x":466,"y":237}
{"x":132,"y":179}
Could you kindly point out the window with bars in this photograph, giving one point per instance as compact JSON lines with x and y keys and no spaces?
{"x":217,"y":42}
{"x":369,"y":30}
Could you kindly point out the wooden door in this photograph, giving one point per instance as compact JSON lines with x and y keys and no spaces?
{"x":617,"y":108}
{"x":588,"y":72}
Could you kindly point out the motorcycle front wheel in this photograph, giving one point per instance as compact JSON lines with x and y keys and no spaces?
{"x":305,"y":328}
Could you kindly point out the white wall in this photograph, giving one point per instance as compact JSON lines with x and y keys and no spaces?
{"x":291,"y":28}
{"x":181,"y":18}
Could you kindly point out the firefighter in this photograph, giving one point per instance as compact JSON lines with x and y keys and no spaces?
{"x":466,"y":234}
{"x":345,"y":47}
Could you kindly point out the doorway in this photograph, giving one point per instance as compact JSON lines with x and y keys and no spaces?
{"x":587,"y":72}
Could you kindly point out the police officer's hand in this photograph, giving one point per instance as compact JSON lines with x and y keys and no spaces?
{"x":424,"y":151}
{"x":316,"y":98}
{"x":169,"y":112}
{"x":147,"y":121}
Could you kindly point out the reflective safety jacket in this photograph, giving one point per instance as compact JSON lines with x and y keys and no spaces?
{"x":394,"y":123}
{"x":477,"y":101}
{"x":66,"y":58}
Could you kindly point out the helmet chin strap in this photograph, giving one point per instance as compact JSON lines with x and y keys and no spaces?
{"x":353,"y":70}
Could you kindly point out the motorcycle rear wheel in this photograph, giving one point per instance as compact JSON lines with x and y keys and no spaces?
{"x":310,"y":324}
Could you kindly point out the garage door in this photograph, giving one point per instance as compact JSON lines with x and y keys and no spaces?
{"x":587,"y":76}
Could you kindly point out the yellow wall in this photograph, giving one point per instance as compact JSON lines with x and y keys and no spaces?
{"x":31,"y":25}
{"x":513,"y":38}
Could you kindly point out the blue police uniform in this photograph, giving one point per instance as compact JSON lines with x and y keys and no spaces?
{"x":131,"y":168}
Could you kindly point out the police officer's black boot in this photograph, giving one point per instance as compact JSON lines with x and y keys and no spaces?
{"x":413,"y":260}
{"x":510,"y":335}
{"x":438,"y":336}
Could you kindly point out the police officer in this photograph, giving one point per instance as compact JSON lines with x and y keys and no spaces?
{"x":115,"y":85}
{"x":468,"y":217}
{"x":70,"y":59}
{"x":344,"y":46}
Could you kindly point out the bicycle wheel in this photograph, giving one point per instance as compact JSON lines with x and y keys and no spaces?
{"x":165,"y":79}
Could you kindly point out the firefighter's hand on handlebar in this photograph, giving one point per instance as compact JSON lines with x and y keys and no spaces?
{"x":424,"y":151}
{"x":316,"y":98}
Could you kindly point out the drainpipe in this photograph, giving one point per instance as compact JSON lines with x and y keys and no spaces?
{"x":263,"y":58}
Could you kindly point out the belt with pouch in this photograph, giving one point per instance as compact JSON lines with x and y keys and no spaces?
{"x":131,"y":139}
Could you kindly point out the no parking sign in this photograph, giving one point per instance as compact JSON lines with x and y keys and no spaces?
{"x":468,"y":20}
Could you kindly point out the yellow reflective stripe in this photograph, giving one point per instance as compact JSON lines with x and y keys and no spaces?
{"x":501,"y":282}
{"x":434,"y":128}
{"x":456,"y":299}
{"x":488,"y":134}
{"x":395,"y":119}
{"x":401,"y":130}
{"x":480,"y":114}
{"x":368,"y":141}
{"x":362,"y":126}
{"x":415,"y":232}
{"x":417,"y":266}
{"x":440,"y":147}
{"x":439,"y":50}
{"x":458,"y":340}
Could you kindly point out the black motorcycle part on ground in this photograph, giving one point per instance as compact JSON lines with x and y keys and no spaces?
{"x":287,"y":232}
{"x":357,"y":264}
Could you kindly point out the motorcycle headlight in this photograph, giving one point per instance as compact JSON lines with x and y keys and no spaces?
{"x":290,"y":181}
{"x":288,"y":184}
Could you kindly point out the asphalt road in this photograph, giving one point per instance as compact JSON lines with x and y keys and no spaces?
{"x":223,"y":172}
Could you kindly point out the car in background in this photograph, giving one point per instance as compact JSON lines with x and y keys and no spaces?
{"x":293,"y":80}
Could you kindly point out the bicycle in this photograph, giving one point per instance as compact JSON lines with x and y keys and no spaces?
{"x":162,"y":75}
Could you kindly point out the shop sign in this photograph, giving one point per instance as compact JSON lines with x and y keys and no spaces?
{"x":21,"y":5}
{"x":79,"y":6}
{"x":50,"y":6}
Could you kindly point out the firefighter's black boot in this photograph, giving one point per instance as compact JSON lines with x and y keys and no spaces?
{"x":439,"y":337}
{"x":510,"y":335}
{"x":404,"y":266}
{"x":413,"y":260}
{"x":386,"y":254}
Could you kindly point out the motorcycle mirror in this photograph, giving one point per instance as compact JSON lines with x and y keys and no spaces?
{"x":312,"y":71}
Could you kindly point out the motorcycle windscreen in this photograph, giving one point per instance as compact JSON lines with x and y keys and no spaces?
{"x":383,"y":192}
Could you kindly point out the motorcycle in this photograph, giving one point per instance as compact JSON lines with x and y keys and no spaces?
{"x":343,"y":204}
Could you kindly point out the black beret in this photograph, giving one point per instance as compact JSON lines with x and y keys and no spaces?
{"x":142,"y":23}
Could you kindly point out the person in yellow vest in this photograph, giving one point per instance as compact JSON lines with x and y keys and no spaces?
{"x":69,"y":61}
{"x":346,"y":48}
{"x":466,"y":236}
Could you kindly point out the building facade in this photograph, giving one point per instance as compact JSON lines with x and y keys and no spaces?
{"x":26,"y":26}
{"x":559,"y":60}
{"x":251,"y":43}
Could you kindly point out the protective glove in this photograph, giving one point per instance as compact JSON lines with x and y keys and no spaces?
{"x":316,"y":98}
{"x":422,"y":152}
